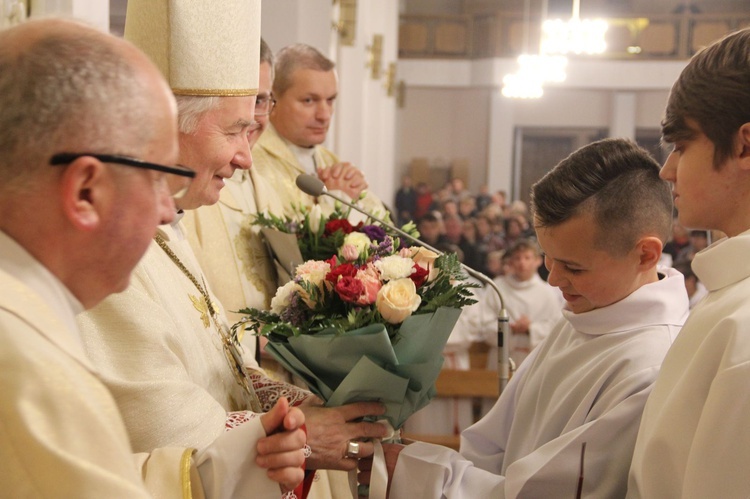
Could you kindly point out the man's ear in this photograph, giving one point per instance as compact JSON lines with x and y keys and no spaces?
{"x":649,"y":251}
{"x":80,"y":186}
{"x":743,"y":137}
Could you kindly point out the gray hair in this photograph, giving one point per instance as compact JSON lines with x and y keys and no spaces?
{"x":191,"y":108}
{"x":294,"y":57}
{"x":65,"y":91}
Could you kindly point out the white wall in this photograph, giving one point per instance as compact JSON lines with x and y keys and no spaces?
{"x":596,"y":94}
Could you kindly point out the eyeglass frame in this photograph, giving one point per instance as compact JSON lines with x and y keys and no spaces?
{"x":271,"y":103}
{"x":65,"y":158}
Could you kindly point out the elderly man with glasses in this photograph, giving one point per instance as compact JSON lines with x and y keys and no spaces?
{"x":164,"y":346}
{"x":78,"y":209}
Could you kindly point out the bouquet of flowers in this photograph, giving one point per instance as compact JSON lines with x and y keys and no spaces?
{"x":364,"y":317}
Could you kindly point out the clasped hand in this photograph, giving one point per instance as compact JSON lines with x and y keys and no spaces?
{"x":343,"y":177}
{"x":282,"y":451}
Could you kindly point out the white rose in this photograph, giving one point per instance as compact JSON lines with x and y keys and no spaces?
{"x":397,"y":300}
{"x":394,"y":267}
{"x":283,"y":296}
{"x":358,"y":240}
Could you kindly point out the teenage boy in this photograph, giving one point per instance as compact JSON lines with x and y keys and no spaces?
{"x":573,"y":408}
{"x":695,"y":439}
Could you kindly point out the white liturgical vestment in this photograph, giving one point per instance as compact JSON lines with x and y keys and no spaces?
{"x":61,"y":434}
{"x":159,"y":352}
{"x":694,"y":440}
{"x":587,"y":382}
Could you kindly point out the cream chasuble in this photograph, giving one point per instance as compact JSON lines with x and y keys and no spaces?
{"x":159,"y":352}
{"x":62,"y":434}
{"x":274,"y":161}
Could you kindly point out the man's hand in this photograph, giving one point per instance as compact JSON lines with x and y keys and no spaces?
{"x":330,"y":429}
{"x":390,"y":453}
{"x":282,"y":451}
{"x":343,"y":177}
{"x":521,"y":326}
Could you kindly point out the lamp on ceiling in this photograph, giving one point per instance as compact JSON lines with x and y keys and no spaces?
{"x":533,"y":69}
{"x":576,"y":36}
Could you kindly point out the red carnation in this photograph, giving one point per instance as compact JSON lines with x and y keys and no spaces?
{"x":349,"y":289}
{"x":338,"y":224}
{"x":343,"y":270}
{"x":419,"y":275}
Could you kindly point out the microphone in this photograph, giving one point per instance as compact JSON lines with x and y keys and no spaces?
{"x":313,"y":186}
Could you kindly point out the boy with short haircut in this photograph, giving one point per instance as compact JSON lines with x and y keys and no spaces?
{"x":694,"y":440}
{"x":588,"y":381}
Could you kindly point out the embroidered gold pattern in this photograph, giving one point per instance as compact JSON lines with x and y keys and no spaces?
{"x":229,"y":341}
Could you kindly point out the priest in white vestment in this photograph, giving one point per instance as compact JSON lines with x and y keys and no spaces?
{"x":164,"y":346}
{"x":73,"y":223}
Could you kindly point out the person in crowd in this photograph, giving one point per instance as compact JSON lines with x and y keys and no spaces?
{"x":305,"y":89}
{"x":484,"y":198}
{"x":425,"y":200}
{"x":695,"y":289}
{"x":454,"y":235}
{"x":693,"y":441}
{"x":571,"y":412}
{"x":497,"y":263}
{"x":164,"y":346}
{"x":430,"y":229}
{"x":680,"y":239}
{"x":533,"y":305}
{"x":78,"y":209}
{"x":698,"y":241}
{"x":406,"y":201}
{"x":467,"y":206}
{"x":449,"y":208}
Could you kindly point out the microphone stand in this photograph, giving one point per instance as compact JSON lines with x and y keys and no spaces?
{"x":314,"y":187}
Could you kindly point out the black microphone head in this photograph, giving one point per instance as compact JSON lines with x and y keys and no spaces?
{"x":310,"y":185}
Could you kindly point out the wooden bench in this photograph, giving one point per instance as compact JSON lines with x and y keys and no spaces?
{"x":475,"y":384}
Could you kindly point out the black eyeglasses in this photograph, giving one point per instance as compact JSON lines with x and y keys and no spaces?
{"x":67,"y":158}
{"x":178,"y":189}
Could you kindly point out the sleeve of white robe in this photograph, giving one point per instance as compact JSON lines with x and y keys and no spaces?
{"x":226,"y":469}
{"x":551,"y":470}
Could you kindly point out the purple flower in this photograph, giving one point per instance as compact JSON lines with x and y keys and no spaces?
{"x":385,"y":248}
{"x":373,"y":232}
{"x":294,"y":314}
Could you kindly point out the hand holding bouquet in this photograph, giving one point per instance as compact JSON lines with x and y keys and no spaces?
{"x":365,"y":318}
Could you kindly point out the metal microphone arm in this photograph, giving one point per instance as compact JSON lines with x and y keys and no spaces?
{"x":313,"y":186}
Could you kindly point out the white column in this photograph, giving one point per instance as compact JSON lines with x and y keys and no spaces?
{"x":364,"y":131}
{"x":622,"y":124}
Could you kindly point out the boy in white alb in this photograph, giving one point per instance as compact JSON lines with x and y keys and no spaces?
{"x":588,"y":381}
{"x":532,"y":304}
{"x":694,"y":440}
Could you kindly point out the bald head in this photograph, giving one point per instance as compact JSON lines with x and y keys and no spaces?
{"x":67,"y":86}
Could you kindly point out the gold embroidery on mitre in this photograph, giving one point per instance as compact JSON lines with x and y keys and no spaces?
{"x":208,"y":92}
